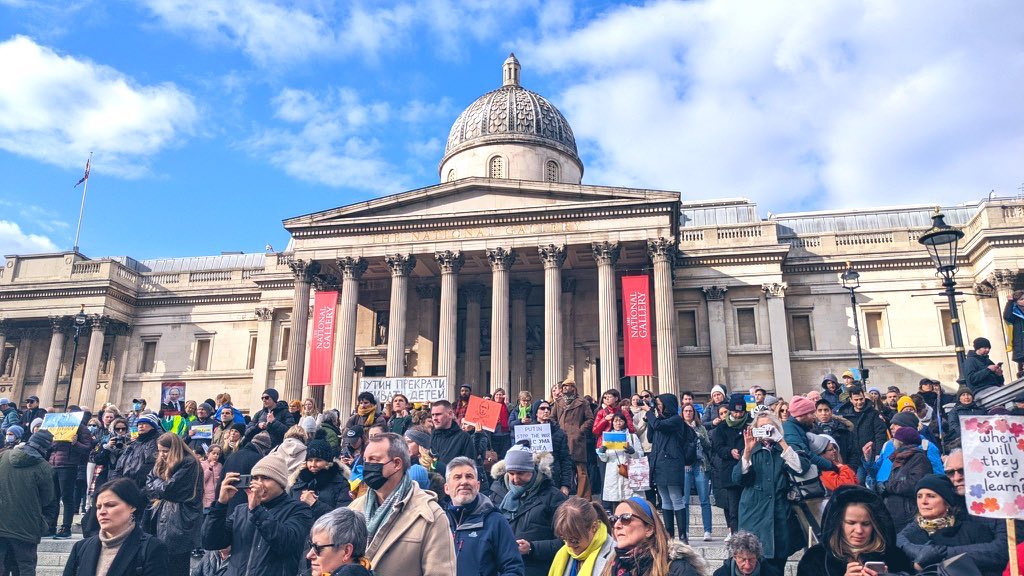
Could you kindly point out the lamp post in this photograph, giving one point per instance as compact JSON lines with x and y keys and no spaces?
{"x":851,"y":281}
{"x":79,"y":322}
{"x":941,"y":240}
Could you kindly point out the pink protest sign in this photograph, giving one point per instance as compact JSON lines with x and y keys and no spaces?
{"x":994,"y":465}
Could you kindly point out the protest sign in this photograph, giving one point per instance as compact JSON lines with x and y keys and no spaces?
{"x":172,"y":398}
{"x":417,"y":390}
{"x":539,"y":436}
{"x":202,"y":431}
{"x":64,"y":426}
{"x":993,"y":449}
{"x":639,"y":474}
{"x":482,"y":413}
{"x":751,"y":404}
{"x":614,"y":440}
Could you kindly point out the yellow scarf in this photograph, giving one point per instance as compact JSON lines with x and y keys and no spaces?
{"x":368,"y":413}
{"x":589,"y":556}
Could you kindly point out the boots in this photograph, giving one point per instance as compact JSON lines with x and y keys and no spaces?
{"x":683,"y":522}
{"x":670,"y":522}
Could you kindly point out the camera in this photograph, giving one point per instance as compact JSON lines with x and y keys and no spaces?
{"x":244,"y":480}
{"x":763,"y":432}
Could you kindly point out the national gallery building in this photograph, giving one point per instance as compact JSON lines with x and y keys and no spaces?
{"x":508,"y":274}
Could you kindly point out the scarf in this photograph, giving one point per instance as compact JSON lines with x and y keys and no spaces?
{"x":524,"y":411}
{"x":377,"y":516}
{"x":734,"y":424}
{"x":510,"y":503}
{"x":632,"y":561}
{"x":368,"y":413}
{"x":588,"y":558}
{"x":935,"y":524}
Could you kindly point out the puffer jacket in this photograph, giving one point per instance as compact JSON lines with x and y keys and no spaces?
{"x":72,"y":454}
{"x":330,"y":486}
{"x":138,"y":459}
{"x":982,"y":539}
{"x":282,"y":422}
{"x":484,"y":540}
{"x":177,"y":510}
{"x":673,"y":444}
{"x":683,"y":560}
{"x":265,"y":541}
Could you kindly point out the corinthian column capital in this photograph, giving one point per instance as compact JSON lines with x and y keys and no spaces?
{"x":304,"y":271}
{"x":662,"y":249}
{"x":352,"y":267}
{"x":552,"y":256}
{"x":500,"y":258}
{"x":400,"y":264}
{"x":606,"y":252}
{"x":715,"y":293}
{"x":449,"y":261}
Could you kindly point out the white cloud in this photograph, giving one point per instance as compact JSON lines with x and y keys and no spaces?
{"x":14,"y":241}
{"x":57,"y":109}
{"x":846,"y":103}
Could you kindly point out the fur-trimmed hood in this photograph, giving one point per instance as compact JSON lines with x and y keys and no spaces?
{"x":843,"y":421}
{"x":679,"y":551}
{"x":542,"y":460}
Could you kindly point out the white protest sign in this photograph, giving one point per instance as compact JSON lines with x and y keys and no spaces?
{"x":428,"y":389}
{"x":993,"y":449}
{"x":539,"y":436}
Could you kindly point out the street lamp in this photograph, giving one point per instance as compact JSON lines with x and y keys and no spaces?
{"x":941,"y":240}
{"x":851,"y":281}
{"x":79,"y":323}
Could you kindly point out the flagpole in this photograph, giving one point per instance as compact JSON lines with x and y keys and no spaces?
{"x":81,"y":210}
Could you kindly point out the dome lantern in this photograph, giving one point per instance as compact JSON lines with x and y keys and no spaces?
{"x":510,"y":69}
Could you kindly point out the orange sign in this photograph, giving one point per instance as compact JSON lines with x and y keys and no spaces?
{"x":482,"y":413}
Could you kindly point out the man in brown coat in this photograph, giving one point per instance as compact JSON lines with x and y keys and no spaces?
{"x":576,"y":418}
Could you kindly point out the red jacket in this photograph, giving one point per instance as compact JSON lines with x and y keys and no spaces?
{"x":601,"y":425}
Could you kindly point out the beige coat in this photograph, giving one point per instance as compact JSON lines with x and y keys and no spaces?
{"x":416,"y":541}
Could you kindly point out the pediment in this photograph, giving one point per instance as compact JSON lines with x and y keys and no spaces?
{"x":483,"y":197}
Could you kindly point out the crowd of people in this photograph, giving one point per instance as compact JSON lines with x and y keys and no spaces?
{"x":865,"y":481}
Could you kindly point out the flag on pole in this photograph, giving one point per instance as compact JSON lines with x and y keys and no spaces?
{"x":86,"y":177}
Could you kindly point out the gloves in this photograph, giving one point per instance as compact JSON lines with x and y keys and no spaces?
{"x":930,"y":554}
{"x":776,"y":435}
{"x":602,"y":450}
{"x":630,"y":450}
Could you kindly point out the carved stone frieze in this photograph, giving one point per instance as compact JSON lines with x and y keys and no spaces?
{"x":1003,"y":278}
{"x":715,"y":293}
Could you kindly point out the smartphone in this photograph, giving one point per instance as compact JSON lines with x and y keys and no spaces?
{"x":244,"y":480}
{"x":762,"y":432}
{"x":877,"y":567}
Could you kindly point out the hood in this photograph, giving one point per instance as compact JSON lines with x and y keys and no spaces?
{"x":323,"y":478}
{"x":482,"y":506}
{"x":21,"y":459}
{"x":680,"y":551}
{"x":850,"y":494}
{"x":827,"y":378}
{"x":542,"y":460}
{"x":293,"y":447}
{"x":282,"y":406}
{"x":671,"y":404}
{"x":843,"y":421}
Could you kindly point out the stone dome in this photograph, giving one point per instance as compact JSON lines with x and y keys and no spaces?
{"x":512,"y":115}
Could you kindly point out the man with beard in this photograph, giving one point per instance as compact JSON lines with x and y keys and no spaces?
{"x":868,"y":425}
{"x":576,"y":418}
{"x":462,"y":404}
{"x":274,"y":418}
{"x":727,"y":444}
{"x":796,"y":427}
{"x":484,"y":543}
{"x":562,"y":468}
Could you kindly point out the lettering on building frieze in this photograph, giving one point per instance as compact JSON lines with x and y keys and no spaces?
{"x":508,"y":230}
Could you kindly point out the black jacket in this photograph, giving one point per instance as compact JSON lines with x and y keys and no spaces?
{"x":723,"y":440}
{"x":242,"y":462}
{"x":842,"y":431}
{"x":868,"y":426}
{"x":762,"y":569}
{"x":982,"y":539}
{"x":673,"y":444}
{"x":138,"y":459}
{"x":29,"y":415}
{"x":282,"y":422}
{"x":266,"y":541}
{"x":196,"y":444}
{"x":977,"y":376}
{"x":330,"y":486}
{"x":140,"y":555}
{"x":533,"y":521}
{"x":951,"y":438}
{"x":901,"y":488}
{"x":179,"y":515}
{"x":820,"y":558}
{"x":451,"y":443}
{"x":563,"y":469}
{"x":1017,"y":323}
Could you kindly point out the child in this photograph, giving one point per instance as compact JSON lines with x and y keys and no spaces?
{"x":211,"y":465}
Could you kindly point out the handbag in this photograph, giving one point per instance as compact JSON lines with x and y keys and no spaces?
{"x":624,"y":470}
{"x":806,"y":485}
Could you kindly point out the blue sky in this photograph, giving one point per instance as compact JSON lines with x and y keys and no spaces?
{"x":211,"y":121}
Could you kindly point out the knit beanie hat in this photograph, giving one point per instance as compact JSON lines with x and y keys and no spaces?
{"x":770,"y":400}
{"x":964,"y":390}
{"x":308,"y":424}
{"x":519,"y":459}
{"x":36,"y":422}
{"x":262,"y":440}
{"x":813,"y":395}
{"x":906,"y":420}
{"x":800,"y":406}
{"x":905,"y":402}
{"x":737,"y":403}
{"x":207,"y":406}
{"x":273,"y":467}
{"x":239,"y":427}
{"x":982,"y":342}
{"x":320,"y":450}
{"x":908,"y":435}
{"x":41,"y":441}
{"x":817,"y":442}
{"x":719,"y":388}
{"x":941,"y":486}
{"x":150,"y":419}
{"x":18,"y":431}
{"x":418,"y":474}
{"x":272,"y":393}
{"x":422,"y":439}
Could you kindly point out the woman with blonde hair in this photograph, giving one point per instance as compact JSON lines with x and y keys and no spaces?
{"x":175,"y":488}
{"x":584,"y":528}
{"x":781,"y":410}
{"x":642,"y":546}
{"x":522,"y":413}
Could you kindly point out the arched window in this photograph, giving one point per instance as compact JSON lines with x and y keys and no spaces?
{"x":451,"y":175}
{"x":551,"y":171}
{"x":497,"y":167}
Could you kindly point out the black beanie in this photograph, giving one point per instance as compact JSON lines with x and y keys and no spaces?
{"x":737,"y":403}
{"x":320,"y":450}
{"x":982,"y":342}
{"x":941,"y":486}
{"x":272,"y":393}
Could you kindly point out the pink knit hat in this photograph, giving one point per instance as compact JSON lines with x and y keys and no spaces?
{"x":800,"y":406}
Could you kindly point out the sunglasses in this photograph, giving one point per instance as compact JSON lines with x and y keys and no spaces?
{"x":264,"y":397}
{"x":539,"y":408}
{"x":954,"y":471}
{"x":625,"y":518}
{"x":120,"y":429}
{"x":318,"y":549}
{"x":646,"y":396}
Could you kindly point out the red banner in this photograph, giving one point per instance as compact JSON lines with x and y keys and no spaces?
{"x":636,"y":325}
{"x":321,"y":353}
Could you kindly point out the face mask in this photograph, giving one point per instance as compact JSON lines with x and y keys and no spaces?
{"x":93,"y":429}
{"x":10,"y":439}
{"x":373,"y":475}
{"x":136,"y":407}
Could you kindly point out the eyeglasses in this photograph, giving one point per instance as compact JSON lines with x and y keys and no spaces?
{"x":625,"y":518}
{"x":645,"y":396}
{"x":318,"y":549}
{"x":954,"y":471}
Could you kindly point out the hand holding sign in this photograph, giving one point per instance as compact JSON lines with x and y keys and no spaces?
{"x":482,"y":413}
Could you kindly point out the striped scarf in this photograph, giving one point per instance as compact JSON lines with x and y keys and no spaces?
{"x":377,"y":516}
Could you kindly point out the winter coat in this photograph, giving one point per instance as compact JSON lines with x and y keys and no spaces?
{"x":196,"y":444}
{"x":533,"y":521}
{"x":601,"y":425}
{"x":513,"y":415}
{"x":951,"y":439}
{"x":710,"y":413}
{"x":796,"y":437}
{"x":841,"y":430}
{"x":137,"y":459}
{"x":673,"y":444}
{"x":212,"y":565}
{"x":11,"y":418}
{"x":352,"y":570}
{"x":685,"y":561}
{"x":399,"y":424}
{"x":762,"y":569}
{"x":640,"y":426}
{"x":72,"y":454}
{"x":418,"y":542}
{"x":484,"y":542}
{"x":268,"y":540}
{"x":139,"y":555}
{"x":330,"y":486}
{"x":237,"y":416}
{"x":723,"y":441}
{"x":26,"y":490}
{"x":977,"y":376}
{"x":764,"y":508}
{"x":282,"y":422}
{"x":176,"y":519}
{"x":329,"y":433}
{"x":868,"y":426}
{"x":833,"y":398}
{"x":29,"y":415}
{"x":616,"y":487}
{"x":576,"y":419}
{"x":820,"y":558}
{"x":982,"y":539}
{"x":881,"y":468}
{"x":211,"y":481}
{"x":450,"y":443}
{"x":909,"y":465}
{"x":1013,"y":316}
{"x":563,"y":469}
{"x":241,"y":462}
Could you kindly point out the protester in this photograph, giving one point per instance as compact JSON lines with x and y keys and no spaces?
{"x":175,"y":486}
{"x":522,"y":413}
{"x":121,"y":547}
{"x":11,"y":416}
{"x":461,"y":404}
{"x":399,"y":419}
{"x":640,"y":421}
{"x":214,"y":563}
{"x":801,"y":421}
{"x":482,"y":453}
{"x":1013,"y":315}
{"x":203,"y":417}
{"x":697,"y":474}
{"x":320,"y":483}
{"x":501,"y":438}
{"x":293,"y":449}
{"x":965,"y":406}
{"x":211,"y":466}
{"x":448,"y":440}
{"x":524,"y":493}
{"x":746,"y":558}
{"x":13,"y":437}
{"x":856,"y":528}
{"x":909,"y":465}
{"x":330,"y":427}
{"x":274,"y":418}
{"x":603,"y":417}
{"x":727,"y":444}
{"x":576,"y":418}
{"x":941,"y":529}
{"x":719,"y":398}
{"x":979,"y":371}
{"x":868,"y":425}
{"x":484,"y":543}
{"x":830,"y":391}
{"x":843,"y":475}
{"x":66,"y":458}
{"x":266,"y":536}
{"x":26,"y":491}
{"x":674,"y":446}
{"x":953,"y":468}
{"x":32,"y":411}
{"x":408,"y":532}
{"x":642,"y":546}
{"x":338,"y":544}
{"x":835,"y":426}
{"x":366,"y":411}
{"x":585,"y":529}
{"x":1018,"y":406}
{"x":616,"y":484}
{"x":242,"y":462}
{"x":563,"y":469}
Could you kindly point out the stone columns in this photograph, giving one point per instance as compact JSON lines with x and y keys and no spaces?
{"x":715,"y":296}
{"x":663,"y":253}
{"x":447,"y":332}
{"x":474,"y":295}
{"x":261,"y":365}
{"x":1003,"y":281}
{"x":90,"y":379}
{"x":553,"y":257}
{"x":401,"y":266}
{"x":607,"y":254}
{"x":426,"y":341}
{"x":352,"y":270}
{"x":519,"y":291}
{"x":501,"y":260}
{"x":294,"y":373}
{"x":4,"y":327}
{"x":778,"y":329}
{"x":48,"y":387}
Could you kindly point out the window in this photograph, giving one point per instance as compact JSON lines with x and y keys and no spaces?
{"x":148,"y":363}
{"x":251,"y":362}
{"x":686,"y":328}
{"x":451,"y":175}
{"x":873,"y":323}
{"x":202,"y":355}
{"x":746,"y":327}
{"x":286,"y":337}
{"x":800,"y":331}
{"x":497,"y":167}
{"x":551,"y":171}
{"x":947,"y":327}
